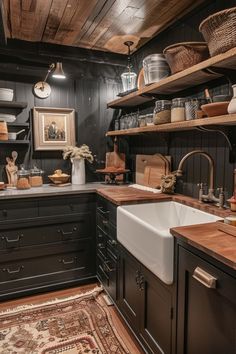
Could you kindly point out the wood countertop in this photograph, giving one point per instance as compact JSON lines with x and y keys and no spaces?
{"x":128,"y":195}
{"x":207,"y":238}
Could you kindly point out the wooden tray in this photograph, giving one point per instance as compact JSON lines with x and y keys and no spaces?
{"x":226,"y":228}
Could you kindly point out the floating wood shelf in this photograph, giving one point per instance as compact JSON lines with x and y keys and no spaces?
{"x":193,"y":76}
{"x":13,"y":142}
{"x":229,"y":119}
{"x":18,"y":124}
{"x":13,"y":104}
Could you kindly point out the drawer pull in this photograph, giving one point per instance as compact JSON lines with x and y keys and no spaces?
{"x":204,"y":278}
{"x":109,"y":268}
{"x":112,"y":242}
{"x":73,"y":260}
{"x":67,"y":233}
{"x":104,"y":212}
{"x":17,"y":239}
{"x":101,"y":245}
{"x":13,"y":271}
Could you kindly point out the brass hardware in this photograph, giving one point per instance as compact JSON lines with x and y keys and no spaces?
{"x":13,"y":271}
{"x":67,"y":233}
{"x":68,"y":262}
{"x":204,"y":278}
{"x":17,"y":239}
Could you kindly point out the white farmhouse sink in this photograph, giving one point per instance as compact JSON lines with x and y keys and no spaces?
{"x":143,"y":229}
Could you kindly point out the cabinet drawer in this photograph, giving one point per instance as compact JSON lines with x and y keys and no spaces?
{"x":107,"y":209}
{"x":45,"y":234}
{"x":13,"y":210}
{"x":101,"y":243}
{"x":66,"y":205}
{"x":62,"y":266}
{"x":103,"y":223}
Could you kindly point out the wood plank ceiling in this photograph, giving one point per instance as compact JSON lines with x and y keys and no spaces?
{"x":94,"y":24}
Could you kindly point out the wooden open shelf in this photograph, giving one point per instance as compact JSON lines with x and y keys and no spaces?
{"x":13,"y":104}
{"x":18,"y":142}
{"x":229,"y":119}
{"x":193,"y":76}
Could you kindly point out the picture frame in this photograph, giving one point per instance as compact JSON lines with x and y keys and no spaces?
{"x":53,"y":128}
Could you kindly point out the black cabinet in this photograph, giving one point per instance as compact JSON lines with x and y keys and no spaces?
{"x":46,"y":243}
{"x":106,"y":247}
{"x":206,"y":318}
{"x":146,"y":304}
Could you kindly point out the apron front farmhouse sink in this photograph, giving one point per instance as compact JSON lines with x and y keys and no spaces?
{"x":143,"y":229}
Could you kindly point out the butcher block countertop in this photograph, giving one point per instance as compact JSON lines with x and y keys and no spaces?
{"x":205,"y":237}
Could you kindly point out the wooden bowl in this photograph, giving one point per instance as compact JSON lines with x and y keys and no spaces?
{"x":2,"y":185}
{"x":59,"y":179}
{"x":215,"y":109}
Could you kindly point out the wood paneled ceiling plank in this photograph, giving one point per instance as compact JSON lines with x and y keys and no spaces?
{"x":29,"y":24}
{"x":54,"y":19}
{"x":122,"y":25}
{"x":115,"y":11}
{"x":6,"y":17}
{"x":73,"y":20}
{"x":100,"y":12}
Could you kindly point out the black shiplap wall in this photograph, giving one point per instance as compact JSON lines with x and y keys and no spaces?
{"x":88,"y":89}
{"x":179,"y":143}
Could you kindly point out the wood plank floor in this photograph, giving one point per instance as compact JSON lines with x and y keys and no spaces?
{"x":118,"y":322}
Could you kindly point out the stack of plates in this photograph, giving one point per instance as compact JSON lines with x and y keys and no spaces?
{"x":8,"y":118}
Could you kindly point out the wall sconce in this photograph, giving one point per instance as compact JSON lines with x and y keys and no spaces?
{"x":42,"y":89}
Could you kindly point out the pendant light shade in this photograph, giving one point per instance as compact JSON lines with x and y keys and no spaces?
{"x":129,"y":77}
{"x":58,"y":73}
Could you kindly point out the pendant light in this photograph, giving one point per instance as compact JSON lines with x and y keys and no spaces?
{"x":42,"y":89}
{"x":129,"y":76}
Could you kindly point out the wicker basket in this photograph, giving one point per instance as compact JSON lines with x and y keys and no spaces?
{"x":181,"y":56}
{"x":219,"y":31}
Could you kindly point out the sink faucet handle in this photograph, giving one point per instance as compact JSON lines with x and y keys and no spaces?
{"x":201,"y":187}
{"x":221,"y":197}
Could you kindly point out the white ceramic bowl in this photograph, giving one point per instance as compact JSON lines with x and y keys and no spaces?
{"x":9,"y":118}
{"x":6,"y":94}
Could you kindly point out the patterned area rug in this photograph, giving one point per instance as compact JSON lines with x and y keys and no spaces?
{"x":76,"y":325}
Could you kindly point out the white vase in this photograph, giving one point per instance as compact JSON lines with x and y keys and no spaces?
{"x":232,"y":104}
{"x":78,"y":171}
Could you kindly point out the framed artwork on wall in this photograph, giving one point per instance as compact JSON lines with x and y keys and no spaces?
{"x":53,"y":128}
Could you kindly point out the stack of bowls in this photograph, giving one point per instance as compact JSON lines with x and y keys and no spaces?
{"x":6,"y":94}
{"x":155,"y":68}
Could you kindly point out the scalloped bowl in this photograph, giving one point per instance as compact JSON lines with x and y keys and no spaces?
{"x":215,"y":109}
{"x":59,"y":179}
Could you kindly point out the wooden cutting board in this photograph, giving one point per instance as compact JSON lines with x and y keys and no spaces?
{"x":116,"y":159}
{"x":150,"y":168}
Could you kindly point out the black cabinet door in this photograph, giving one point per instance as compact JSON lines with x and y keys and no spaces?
{"x":206,"y":307}
{"x":130,"y":292}
{"x":156,"y":316}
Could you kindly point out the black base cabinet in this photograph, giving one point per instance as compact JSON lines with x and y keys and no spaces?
{"x":146,"y":303}
{"x":106,"y":247}
{"x":46,"y":243}
{"x":206,"y":317}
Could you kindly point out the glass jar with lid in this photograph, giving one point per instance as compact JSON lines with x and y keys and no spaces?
{"x":162,"y":112}
{"x":141,"y":120}
{"x":36,"y":178}
{"x":178,"y":109}
{"x":149,"y":119}
{"x":23,"y":179}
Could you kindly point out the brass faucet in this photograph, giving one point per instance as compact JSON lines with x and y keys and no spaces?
{"x":209,"y":197}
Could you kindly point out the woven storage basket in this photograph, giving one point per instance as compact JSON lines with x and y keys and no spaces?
{"x":181,"y":56}
{"x":219,"y":31}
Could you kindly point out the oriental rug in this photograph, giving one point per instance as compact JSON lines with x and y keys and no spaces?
{"x":80,"y":324}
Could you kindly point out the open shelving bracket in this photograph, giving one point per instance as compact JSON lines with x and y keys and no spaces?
{"x":230,"y":136}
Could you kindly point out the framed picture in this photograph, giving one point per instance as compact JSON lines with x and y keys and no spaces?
{"x":53,"y":128}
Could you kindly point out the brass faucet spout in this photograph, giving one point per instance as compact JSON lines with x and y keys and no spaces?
{"x":207,"y":156}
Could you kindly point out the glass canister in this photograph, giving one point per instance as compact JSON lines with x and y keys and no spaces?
{"x":36,"y":178}
{"x":23,"y":179}
{"x":141,"y":120}
{"x":162,"y":112}
{"x":149,"y":119}
{"x":178,"y":109}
